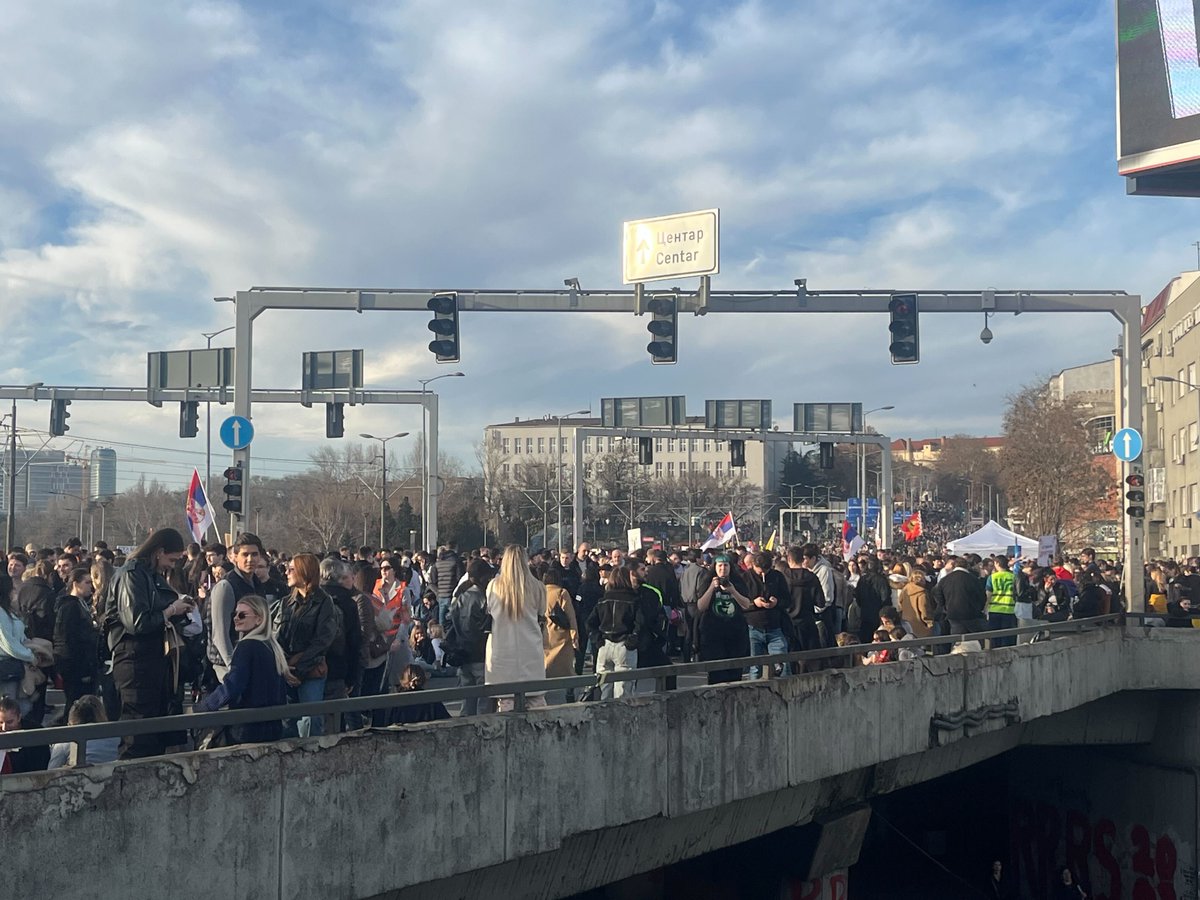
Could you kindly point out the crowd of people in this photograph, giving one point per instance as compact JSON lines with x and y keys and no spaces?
{"x":176,"y":626}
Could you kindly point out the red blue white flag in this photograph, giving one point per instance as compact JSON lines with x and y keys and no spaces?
{"x":199,"y":513}
{"x":725,"y":532}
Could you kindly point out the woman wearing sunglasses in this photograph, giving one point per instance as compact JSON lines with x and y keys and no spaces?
{"x":256,"y":673}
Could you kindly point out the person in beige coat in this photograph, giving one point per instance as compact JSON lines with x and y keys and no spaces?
{"x":915,"y":606}
{"x":558,"y":642}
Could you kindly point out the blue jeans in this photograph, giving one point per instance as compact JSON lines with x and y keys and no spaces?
{"x":443,"y":610}
{"x":998,"y":620}
{"x":311,"y":690}
{"x":769,"y":641}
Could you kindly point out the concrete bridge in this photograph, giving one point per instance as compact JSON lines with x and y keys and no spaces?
{"x":551,"y":802}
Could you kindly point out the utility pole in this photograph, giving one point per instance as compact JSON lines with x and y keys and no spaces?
{"x":383,"y":442}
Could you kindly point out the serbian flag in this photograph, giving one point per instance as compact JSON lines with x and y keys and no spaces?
{"x":725,"y":532}
{"x":911,"y":527}
{"x":851,"y":542}
{"x":199,"y":513}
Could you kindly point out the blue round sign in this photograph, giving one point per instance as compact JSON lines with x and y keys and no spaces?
{"x":1127,"y":445}
{"x":237,"y":432}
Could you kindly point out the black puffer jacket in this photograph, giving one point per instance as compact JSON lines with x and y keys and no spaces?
{"x":468,"y":623}
{"x":306,"y":627}
{"x":35,"y":607}
{"x":445,"y":574}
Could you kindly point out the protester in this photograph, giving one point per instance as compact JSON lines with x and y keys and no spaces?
{"x":307,"y":623}
{"x":515,"y":601}
{"x":86,"y":710}
{"x":561,"y":632}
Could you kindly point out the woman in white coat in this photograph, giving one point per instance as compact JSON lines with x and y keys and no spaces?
{"x":515,"y":599}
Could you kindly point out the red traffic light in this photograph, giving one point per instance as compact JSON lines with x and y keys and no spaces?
{"x":1135,"y":479}
{"x":233,"y":473}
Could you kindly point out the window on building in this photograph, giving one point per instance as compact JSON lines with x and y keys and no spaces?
{"x":1174,"y":446}
{"x":693,"y":443}
{"x":720,"y":467}
{"x":707,"y":467}
{"x":1193,"y":435}
{"x":541,"y":446}
{"x":587,"y":470}
{"x":529,"y":445}
{"x":1191,"y":373}
{"x":706,"y":443}
{"x":671,"y":445}
{"x":720,"y":446}
{"x":516,"y":470}
{"x":658,"y":470}
{"x":670,"y":470}
{"x":517,"y":446}
{"x":504,"y":469}
{"x":1192,"y":495}
{"x":658,"y":445}
{"x":587,"y":445}
{"x":504,"y":446}
{"x":1179,"y":386}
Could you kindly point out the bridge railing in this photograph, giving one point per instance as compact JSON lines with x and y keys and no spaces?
{"x":663,"y":676}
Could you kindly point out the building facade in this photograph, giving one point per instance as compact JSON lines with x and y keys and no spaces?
{"x":1171,"y":389}
{"x":102,"y":474}
{"x":42,"y":477}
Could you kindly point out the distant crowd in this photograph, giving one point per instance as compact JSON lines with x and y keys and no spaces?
{"x":178,"y":626}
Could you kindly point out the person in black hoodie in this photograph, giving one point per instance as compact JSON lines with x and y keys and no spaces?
{"x":805,"y":597}
{"x":962,"y":596}
{"x":467,"y":631}
{"x":76,"y":640}
{"x":871,"y":594}
{"x":344,"y":656}
{"x":721,"y":631}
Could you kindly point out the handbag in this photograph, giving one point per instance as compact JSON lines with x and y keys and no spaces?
{"x":559,"y":618}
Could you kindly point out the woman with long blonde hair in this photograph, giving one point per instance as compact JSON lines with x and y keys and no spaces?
{"x":515,"y":599}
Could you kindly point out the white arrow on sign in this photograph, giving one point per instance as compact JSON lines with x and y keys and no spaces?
{"x":1128,"y":441}
{"x":237,"y":431}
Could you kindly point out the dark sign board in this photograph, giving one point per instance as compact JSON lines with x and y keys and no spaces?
{"x":828,"y":418}
{"x":332,"y":370}
{"x":642,"y":412}
{"x":179,"y":370}
{"x":1158,"y":92}
{"x":744,"y":414}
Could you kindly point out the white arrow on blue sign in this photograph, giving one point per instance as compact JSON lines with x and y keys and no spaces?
{"x":1127,"y":445}
{"x":237,"y":432}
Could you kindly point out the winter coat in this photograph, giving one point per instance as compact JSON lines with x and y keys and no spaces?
{"x":306,"y":627}
{"x":467,"y":625}
{"x":916,"y":609}
{"x":514,"y":648}
{"x":35,"y":607}
{"x":961,"y":596}
{"x":446,"y":574}
{"x":558,"y":644}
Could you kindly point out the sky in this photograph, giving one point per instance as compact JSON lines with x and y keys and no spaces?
{"x":155,"y":156}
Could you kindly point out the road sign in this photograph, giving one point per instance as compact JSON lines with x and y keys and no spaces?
{"x":672,"y":246}
{"x":237,"y":432}
{"x":1127,"y":445}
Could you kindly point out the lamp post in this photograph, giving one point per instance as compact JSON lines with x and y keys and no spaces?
{"x":862,"y":467}
{"x":383,"y":442}
{"x":558,"y":469}
{"x":208,"y":338}
{"x":425,"y":382}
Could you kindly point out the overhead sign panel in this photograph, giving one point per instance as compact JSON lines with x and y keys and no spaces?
{"x":642,"y":412}
{"x":176,"y":370}
{"x":828,"y":418}
{"x":1158,"y":86}
{"x":672,"y":246}
{"x":746,"y":414}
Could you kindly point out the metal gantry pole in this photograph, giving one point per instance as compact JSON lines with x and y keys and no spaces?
{"x":10,"y":531}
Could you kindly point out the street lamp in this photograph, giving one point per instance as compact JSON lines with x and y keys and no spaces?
{"x":862,"y":466}
{"x":208,"y":337}
{"x":425,"y":382}
{"x":558,"y":468}
{"x":383,"y":477}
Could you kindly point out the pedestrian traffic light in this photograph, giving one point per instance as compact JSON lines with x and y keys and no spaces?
{"x":645,"y":451}
{"x":233,"y":489}
{"x":826,"y":455}
{"x":1135,"y":481}
{"x":189,"y":418}
{"x":335,"y":420}
{"x":663,"y":327}
{"x":444,"y":326}
{"x":905,"y":345}
{"x":58,"y":417}
{"x":737,"y":454}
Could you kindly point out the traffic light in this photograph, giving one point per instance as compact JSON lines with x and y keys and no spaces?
{"x":663,"y":327}
{"x":645,"y":451}
{"x":189,"y":418}
{"x":335,"y":420}
{"x":58,"y":417}
{"x":1135,"y":495}
{"x":444,"y":327}
{"x":233,"y":489}
{"x":737,"y":454}
{"x":905,"y":345}
{"x":826,"y":455}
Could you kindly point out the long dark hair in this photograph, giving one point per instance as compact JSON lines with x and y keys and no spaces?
{"x":167,"y":540}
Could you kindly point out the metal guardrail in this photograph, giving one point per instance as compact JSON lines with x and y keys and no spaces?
{"x":519,"y":691}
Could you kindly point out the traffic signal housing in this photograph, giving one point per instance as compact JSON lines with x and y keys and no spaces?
{"x":1136,"y":496}
{"x":826,"y":455}
{"x":905,"y":344}
{"x":189,"y":418}
{"x":444,"y":326}
{"x":58,"y":417}
{"x":335,"y":420}
{"x":737,"y":454}
{"x":233,"y":489}
{"x":663,"y":328}
{"x":645,"y":451}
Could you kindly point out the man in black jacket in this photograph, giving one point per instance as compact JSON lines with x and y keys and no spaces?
{"x":805,"y":597}
{"x":871,"y":594}
{"x":660,"y":575}
{"x":344,"y":655}
{"x":961,"y":596}
{"x":444,"y":576}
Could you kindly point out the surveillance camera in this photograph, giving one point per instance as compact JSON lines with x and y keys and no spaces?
{"x":986,"y":335}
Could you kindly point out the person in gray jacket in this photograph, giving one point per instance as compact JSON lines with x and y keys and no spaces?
{"x":692,"y":584}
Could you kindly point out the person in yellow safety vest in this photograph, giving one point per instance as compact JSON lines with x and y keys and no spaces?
{"x":1002,"y":601}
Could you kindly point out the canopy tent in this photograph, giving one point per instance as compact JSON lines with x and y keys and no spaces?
{"x":993,"y":538}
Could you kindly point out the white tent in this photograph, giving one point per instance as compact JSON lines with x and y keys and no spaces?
{"x":993,"y":538}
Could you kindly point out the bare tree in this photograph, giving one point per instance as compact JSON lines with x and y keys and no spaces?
{"x":1049,"y":471}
